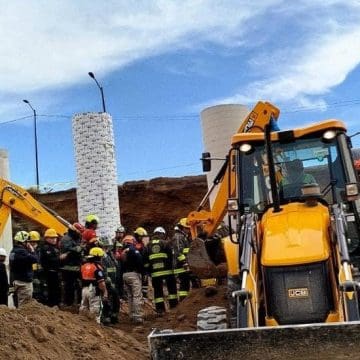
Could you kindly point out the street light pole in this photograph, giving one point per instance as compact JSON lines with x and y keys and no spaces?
{"x":36,"y":144}
{"x":91,"y":74}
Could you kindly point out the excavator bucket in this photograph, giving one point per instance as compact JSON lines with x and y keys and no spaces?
{"x":200,"y":263}
{"x":313,"y":341}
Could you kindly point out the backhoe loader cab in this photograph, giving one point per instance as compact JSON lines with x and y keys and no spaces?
{"x":297,"y":216}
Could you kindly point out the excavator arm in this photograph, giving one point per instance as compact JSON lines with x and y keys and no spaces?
{"x":208,"y":221}
{"x":13,"y":197}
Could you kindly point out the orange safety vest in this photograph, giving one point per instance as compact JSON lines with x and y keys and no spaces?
{"x":88,"y":271}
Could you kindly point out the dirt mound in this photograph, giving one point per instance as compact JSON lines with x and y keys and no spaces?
{"x":38,"y":332}
{"x":182,"y":318}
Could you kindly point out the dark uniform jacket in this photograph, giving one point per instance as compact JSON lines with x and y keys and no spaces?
{"x":158,"y":258}
{"x":4,"y":284}
{"x":70,"y":245}
{"x":131,"y":260}
{"x":50,"y":257}
{"x":21,"y":261}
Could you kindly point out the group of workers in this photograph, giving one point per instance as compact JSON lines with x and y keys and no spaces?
{"x":81,"y":268}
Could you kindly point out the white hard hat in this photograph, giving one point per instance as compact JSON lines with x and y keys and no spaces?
{"x":159,"y":230}
{"x":3,"y":252}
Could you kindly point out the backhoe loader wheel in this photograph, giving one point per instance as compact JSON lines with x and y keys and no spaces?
{"x":212,"y":318}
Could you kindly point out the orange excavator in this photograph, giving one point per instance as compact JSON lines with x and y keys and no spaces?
{"x":15,"y":198}
{"x":292,"y":200}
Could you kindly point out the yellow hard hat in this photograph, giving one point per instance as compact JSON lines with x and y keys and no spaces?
{"x":183,"y":222}
{"x":34,"y":236}
{"x":51,"y":233}
{"x":96,"y":251}
{"x":21,"y":236}
{"x":92,"y":218}
{"x":140,"y":231}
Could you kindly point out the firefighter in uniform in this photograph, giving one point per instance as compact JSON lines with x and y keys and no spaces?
{"x":157,"y":262}
{"x":50,"y":262}
{"x":39,"y":286}
{"x":180,"y":249}
{"x":110,"y":265}
{"x":70,"y":256}
{"x":94,"y":292}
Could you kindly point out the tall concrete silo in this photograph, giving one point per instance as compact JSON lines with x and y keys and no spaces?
{"x":219,"y":123}
{"x":97,"y":191}
{"x":6,"y":237}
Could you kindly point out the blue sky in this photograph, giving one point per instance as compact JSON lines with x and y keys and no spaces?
{"x":160,"y":63}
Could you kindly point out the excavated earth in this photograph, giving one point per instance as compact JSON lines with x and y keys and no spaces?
{"x":150,"y":203}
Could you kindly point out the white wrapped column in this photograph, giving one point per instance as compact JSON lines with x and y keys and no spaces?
{"x":219,"y":124}
{"x":6,"y":237}
{"x":97,"y":191}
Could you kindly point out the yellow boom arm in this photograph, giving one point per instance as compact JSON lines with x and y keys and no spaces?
{"x":13,"y":197}
{"x":256,"y":121}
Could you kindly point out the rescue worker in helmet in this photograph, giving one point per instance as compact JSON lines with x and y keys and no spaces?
{"x":132,"y":267}
{"x":91,"y":222}
{"x":94,"y":292}
{"x":4,"y":283}
{"x":89,"y":240}
{"x":120,"y":232}
{"x":21,"y":259}
{"x":71,"y":259}
{"x":110,"y":266}
{"x":38,"y":279}
{"x":158,"y":264}
{"x":142,"y":239}
{"x":140,"y":235}
{"x":50,"y":262}
{"x":180,"y":248}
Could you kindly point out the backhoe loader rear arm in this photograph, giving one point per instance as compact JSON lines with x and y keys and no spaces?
{"x":256,"y":121}
{"x":13,"y":197}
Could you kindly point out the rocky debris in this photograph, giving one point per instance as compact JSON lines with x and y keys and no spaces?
{"x":210,"y":291}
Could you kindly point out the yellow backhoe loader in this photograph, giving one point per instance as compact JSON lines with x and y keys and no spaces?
{"x":293,"y":205}
{"x":15,"y":198}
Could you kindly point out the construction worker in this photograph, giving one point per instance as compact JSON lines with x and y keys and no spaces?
{"x":180,"y":248}
{"x":94,"y":291}
{"x":142,"y":239}
{"x":71,"y":258}
{"x":4,"y":282}
{"x":120,"y":232}
{"x":140,"y":234}
{"x":91,"y":222}
{"x":110,"y":265}
{"x":132,"y":267}
{"x":157,"y":262}
{"x":50,"y":262}
{"x":38,"y":278}
{"x":21,"y":259}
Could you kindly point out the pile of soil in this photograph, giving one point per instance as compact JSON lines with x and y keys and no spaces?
{"x":39,"y":332}
{"x":181,"y":318}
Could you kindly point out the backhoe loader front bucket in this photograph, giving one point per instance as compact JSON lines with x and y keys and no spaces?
{"x":313,"y":341}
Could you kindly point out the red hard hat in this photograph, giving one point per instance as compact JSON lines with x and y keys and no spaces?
{"x":88,"y":234}
{"x":77,"y":227}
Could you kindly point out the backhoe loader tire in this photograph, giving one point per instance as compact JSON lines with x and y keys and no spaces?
{"x":212,"y":318}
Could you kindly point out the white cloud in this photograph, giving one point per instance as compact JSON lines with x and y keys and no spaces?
{"x":54,"y":43}
{"x":319,"y":61}
{"x":51,"y":44}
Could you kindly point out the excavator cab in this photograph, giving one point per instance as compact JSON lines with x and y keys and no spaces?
{"x":292,"y":251}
